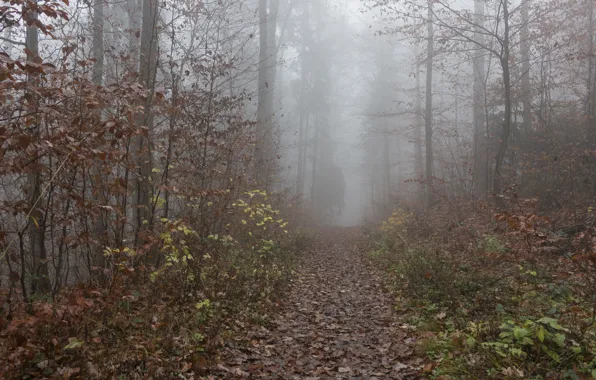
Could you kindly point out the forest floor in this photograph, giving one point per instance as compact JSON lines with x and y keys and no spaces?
{"x":336,"y":322}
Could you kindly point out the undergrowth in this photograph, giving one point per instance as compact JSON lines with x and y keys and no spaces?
{"x":489,"y":300}
{"x":167,"y":310}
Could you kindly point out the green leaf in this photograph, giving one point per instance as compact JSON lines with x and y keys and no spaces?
{"x":540,"y":333}
{"x":553,"y":355}
{"x":527,"y":341}
{"x":559,"y":339}
{"x":73,"y":343}
{"x":203,"y":304}
{"x":520,"y":332}
{"x":552,"y":323}
{"x":518,"y":352}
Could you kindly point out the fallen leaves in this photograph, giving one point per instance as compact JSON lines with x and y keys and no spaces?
{"x":336,"y":323}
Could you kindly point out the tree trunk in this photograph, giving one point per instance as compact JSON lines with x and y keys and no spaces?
{"x":262,"y":112}
{"x":526,"y":94}
{"x":428,"y":128}
{"x":591,"y":85}
{"x":142,"y":142}
{"x":273,"y":126}
{"x":304,"y":68}
{"x":386,"y":163}
{"x":267,"y":70}
{"x":99,"y":225}
{"x":480,"y":183}
{"x":591,"y":89}
{"x":300,"y":177}
{"x":315,"y":156}
{"x":40,"y":281}
{"x":134,"y":26}
{"x":419,"y":166}
{"x":498,"y":180}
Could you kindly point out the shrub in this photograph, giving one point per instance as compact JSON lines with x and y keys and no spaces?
{"x":425,"y":274}
{"x":486,"y":305}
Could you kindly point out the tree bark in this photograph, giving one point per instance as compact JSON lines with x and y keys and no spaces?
{"x":419,"y":166}
{"x":480,"y":143}
{"x":264,"y":163}
{"x":591,"y":89}
{"x":134,"y":26}
{"x":99,"y":225}
{"x":315,"y":156}
{"x":498,"y":180}
{"x":304,"y":75}
{"x":40,"y":281}
{"x":428,"y":128}
{"x":526,"y":94}
{"x":386,"y":163}
{"x":142,"y":142}
{"x":591,"y":85}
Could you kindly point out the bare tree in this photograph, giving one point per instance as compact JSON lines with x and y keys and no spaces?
{"x":461,"y":29}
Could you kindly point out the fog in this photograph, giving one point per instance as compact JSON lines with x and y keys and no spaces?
{"x":349,"y":108}
{"x":356,"y":100}
{"x":365,"y":130}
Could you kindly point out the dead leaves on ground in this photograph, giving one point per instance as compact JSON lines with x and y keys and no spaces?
{"x":336,"y":323}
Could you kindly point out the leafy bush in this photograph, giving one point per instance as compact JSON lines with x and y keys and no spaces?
{"x":177,"y":297}
{"x":489,"y":307}
{"x":394,"y":229}
{"x":246,"y":264}
{"x":424,"y":274}
{"x":492,"y":243}
{"x":533,"y":339}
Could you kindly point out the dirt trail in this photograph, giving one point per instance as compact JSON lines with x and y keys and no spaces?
{"x":336,"y":323}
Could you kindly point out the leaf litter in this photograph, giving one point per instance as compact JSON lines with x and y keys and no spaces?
{"x":336,"y":322}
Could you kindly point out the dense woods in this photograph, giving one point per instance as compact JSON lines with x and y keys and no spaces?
{"x":170,"y":171}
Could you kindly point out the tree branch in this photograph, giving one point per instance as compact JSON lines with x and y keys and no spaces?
{"x":12,"y":41}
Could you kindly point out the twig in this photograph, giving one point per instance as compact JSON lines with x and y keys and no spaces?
{"x":12,"y":41}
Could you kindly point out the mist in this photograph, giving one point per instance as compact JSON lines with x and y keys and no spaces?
{"x":359,"y":107}
{"x":222,"y":188}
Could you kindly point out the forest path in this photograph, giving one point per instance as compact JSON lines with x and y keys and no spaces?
{"x":336,"y":323}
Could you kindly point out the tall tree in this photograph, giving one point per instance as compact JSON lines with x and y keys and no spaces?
{"x":591,"y":83}
{"x":500,"y":47}
{"x":264,"y":163}
{"x":480,"y":140}
{"x":100,"y":226}
{"x":525,"y":61}
{"x":428,"y":125}
{"x":419,"y":165}
{"x":142,"y":142}
{"x":506,"y":131}
{"x":526,"y":95}
{"x":134,"y":12}
{"x":40,"y":281}
{"x":302,"y":101}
